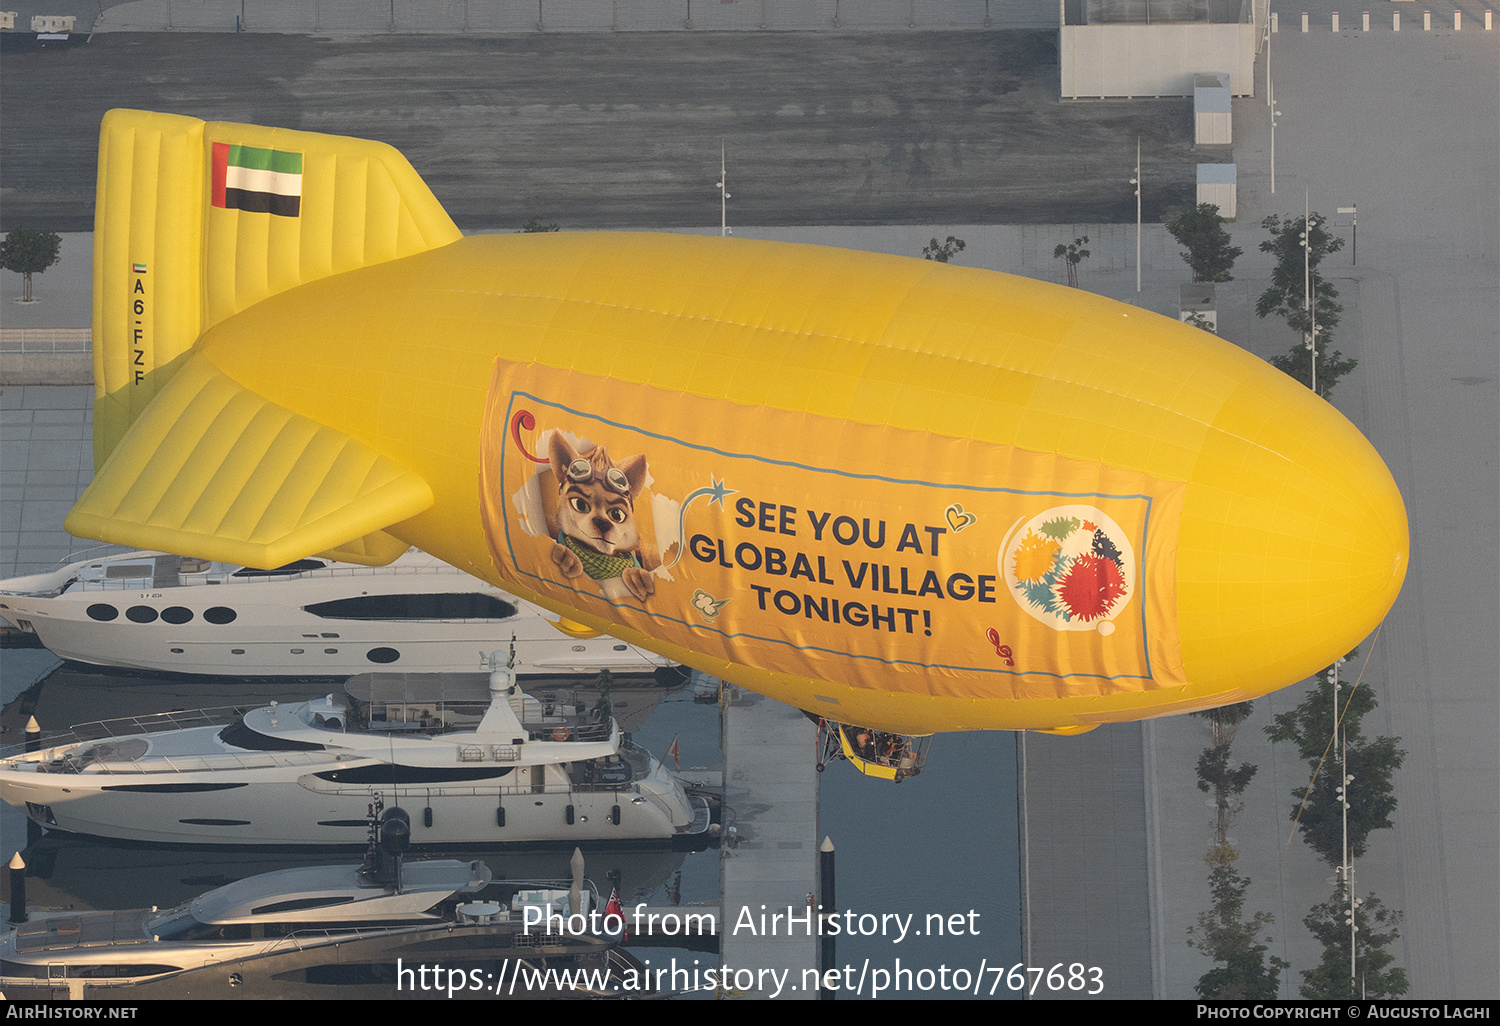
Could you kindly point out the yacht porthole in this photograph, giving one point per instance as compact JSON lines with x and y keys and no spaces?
{"x":298,"y":651}
{"x":140,"y":614}
{"x":382,"y":655}
{"x":219,"y":615}
{"x":177,"y":614}
{"x":236,"y":651}
{"x":330,"y":651}
{"x":103,"y":612}
{"x":177,"y":651}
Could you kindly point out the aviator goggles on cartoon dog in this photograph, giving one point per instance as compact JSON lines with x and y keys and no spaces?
{"x":581,"y":471}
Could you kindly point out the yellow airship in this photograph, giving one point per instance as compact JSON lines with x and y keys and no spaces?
{"x":891,"y":492}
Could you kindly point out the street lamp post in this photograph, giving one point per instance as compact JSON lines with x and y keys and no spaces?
{"x":1274,"y":115}
{"x":1346,"y":871}
{"x":723,"y":194}
{"x":1354,"y":904}
{"x":1353,"y":211}
{"x":1307,"y":287}
{"x":1136,"y":181}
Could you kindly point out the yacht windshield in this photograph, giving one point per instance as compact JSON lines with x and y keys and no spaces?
{"x":300,"y":566}
{"x":325,"y":714}
{"x":179,"y":924}
{"x":163,"y":924}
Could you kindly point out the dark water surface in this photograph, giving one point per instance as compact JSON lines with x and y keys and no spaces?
{"x":939,"y":848}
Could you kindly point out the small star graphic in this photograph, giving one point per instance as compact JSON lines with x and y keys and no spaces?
{"x":717,"y":491}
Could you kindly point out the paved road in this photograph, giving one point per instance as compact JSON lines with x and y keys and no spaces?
{"x":601,"y":130}
{"x":1406,"y":126}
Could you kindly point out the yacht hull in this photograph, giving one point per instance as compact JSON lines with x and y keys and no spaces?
{"x":268,"y":809}
{"x":476,"y":962}
{"x":326,"y":932}
{"x":144,"y":611}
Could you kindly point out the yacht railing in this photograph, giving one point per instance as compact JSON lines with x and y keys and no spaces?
{"x":74,"y":930}
{"x":132,"y":726}
{"x":460,"y":717}
{"x":641,"y":761}
{"x":569,"y":730}
{"x":635,"y":764}
{"x":93,"y":762}
{"x":489,"y":790}
{"x":96,"y":758}
{"x":312,"y":936}
{"x":301,"y":936}
{"x":93,"y":552}
{"x":185,"y":763}
{"x":212,"y":579}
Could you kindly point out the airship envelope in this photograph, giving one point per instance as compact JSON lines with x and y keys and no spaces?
{"x":888,"y":491}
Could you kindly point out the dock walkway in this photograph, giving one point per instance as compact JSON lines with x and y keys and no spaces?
{"x":772,"y":801}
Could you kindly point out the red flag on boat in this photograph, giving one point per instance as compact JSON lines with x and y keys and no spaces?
{"x":614,"y":908}
{"x":675,"y":754}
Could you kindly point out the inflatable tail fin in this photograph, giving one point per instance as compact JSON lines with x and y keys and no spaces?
{"x":195,"y":221}
{"x":213,"y":469}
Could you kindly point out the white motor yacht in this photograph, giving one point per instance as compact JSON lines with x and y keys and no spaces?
{"x":326,"y":931}
{"x":491,"y":767}
{"x":314,"y":617}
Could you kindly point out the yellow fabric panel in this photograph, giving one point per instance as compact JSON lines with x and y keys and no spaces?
{"x":147,"y":262}
{"x":213,"y":470}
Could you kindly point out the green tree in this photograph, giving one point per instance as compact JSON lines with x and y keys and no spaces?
{"x":1224,"y":782}
{"x":28,"y":251}
{"x":1297,"y":362}
{"x":1242,"y":972}
{"x":1287,"y":298}
{"x":1373,"y":973}
{"x":1215,"y":774}
{"x":1074,"y":254}
{"x":1197,"y":320}
{"x":1227,"y":715}
{"x":1209,"y":253}
{"x":1371,"y":762}
{"x":536,"y":225}
{"x":944,"y":252}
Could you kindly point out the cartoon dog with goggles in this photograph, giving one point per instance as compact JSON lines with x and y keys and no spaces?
{"x":595,"y":532}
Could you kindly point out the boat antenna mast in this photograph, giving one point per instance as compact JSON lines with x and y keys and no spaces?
{"x":372,"y":820}
{"x":390,"y":837}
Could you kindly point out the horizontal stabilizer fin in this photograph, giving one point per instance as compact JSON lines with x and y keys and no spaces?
{"x":215,"y":470}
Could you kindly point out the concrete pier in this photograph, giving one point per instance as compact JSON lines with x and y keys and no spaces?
{"x":772,"y":783}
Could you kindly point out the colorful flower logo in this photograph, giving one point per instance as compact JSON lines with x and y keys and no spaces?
{"x":1071,"y":567}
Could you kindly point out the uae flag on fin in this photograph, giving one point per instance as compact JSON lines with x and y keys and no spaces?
{"x":264,"y":181}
